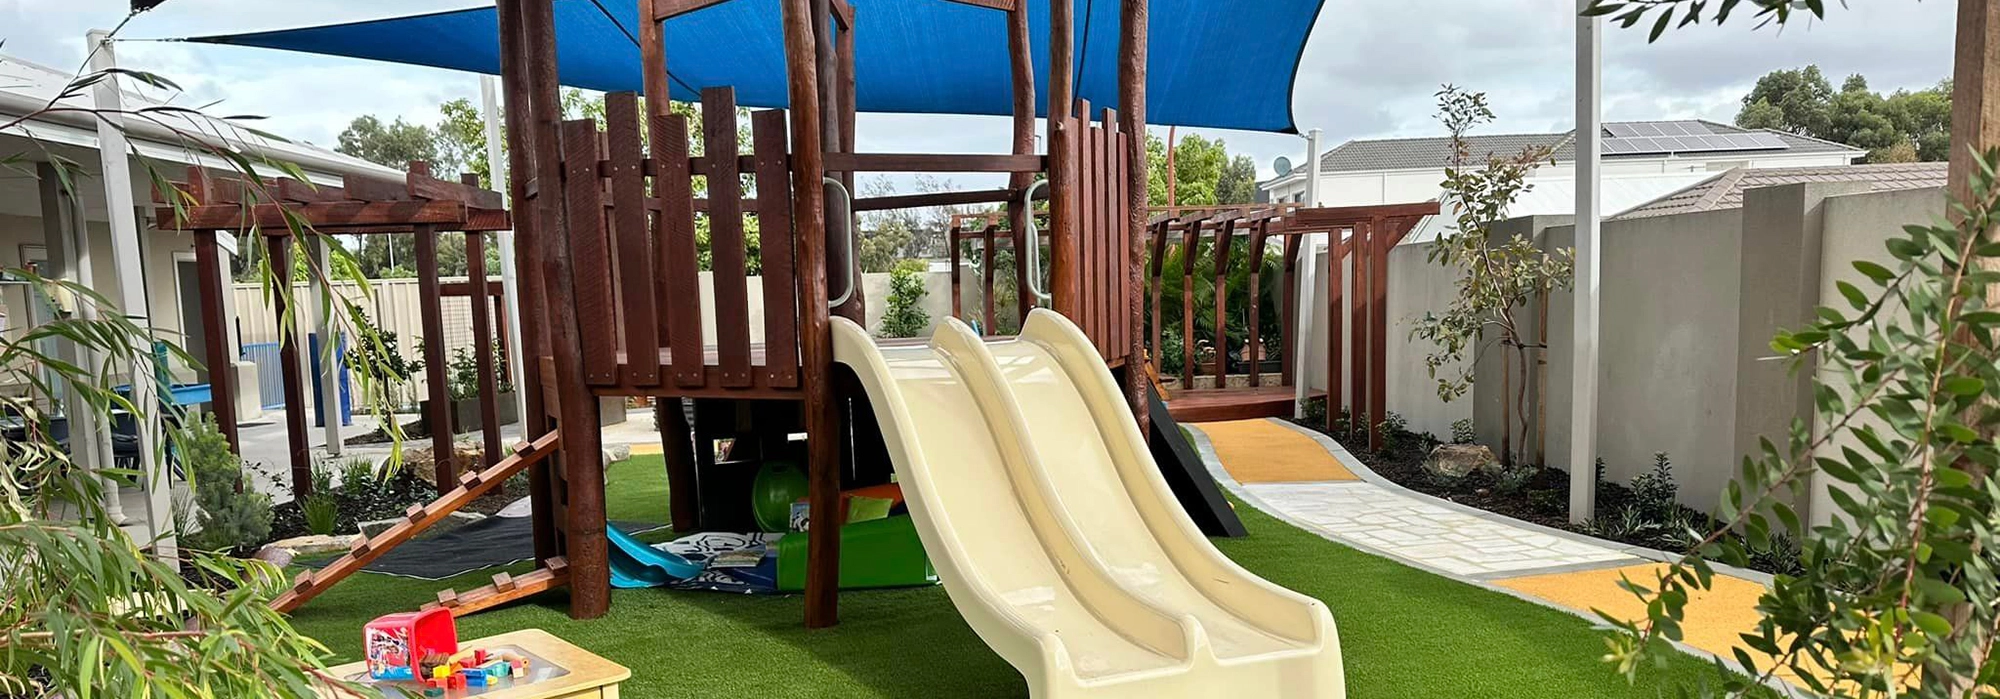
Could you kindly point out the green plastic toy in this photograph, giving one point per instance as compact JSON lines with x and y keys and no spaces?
{"x":777,"y":486}
{"x":878,"y":553}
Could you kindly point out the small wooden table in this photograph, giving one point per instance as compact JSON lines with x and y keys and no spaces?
{"x":583,"y":675}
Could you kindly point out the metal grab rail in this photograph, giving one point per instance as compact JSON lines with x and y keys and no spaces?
{"x":1033,"y":254}
{"x":847,"y":239}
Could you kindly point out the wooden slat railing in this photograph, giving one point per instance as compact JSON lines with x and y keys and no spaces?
{"x":639,"y":293}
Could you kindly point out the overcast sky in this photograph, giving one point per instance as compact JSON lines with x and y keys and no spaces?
{"x":1368,"y":72}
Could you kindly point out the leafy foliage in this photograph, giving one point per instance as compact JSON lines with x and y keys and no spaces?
{"x":1904,"y":398}
{"x":905,"y":316}
{"x":1904,"y":126}
{"x":1205,"y":174}
{"x":1236,"y":312}
{"x":90,"y":611}
{"x":1497,"y":277}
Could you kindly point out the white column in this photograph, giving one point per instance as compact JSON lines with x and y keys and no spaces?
{"x":126,"y":257}
{"x":1308,"y":252}
{"x":1583,"y":379}
{"x":510,"y":277}
{"x":330,"y":358}
{"x":1312,"y":167}
{"x":66,"y":236}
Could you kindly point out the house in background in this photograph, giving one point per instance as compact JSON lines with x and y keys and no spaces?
{"x":1643,"y":160}
{"x":69,"y":232}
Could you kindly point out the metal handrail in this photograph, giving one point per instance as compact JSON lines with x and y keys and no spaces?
{"x":847,"y":239}
{"x":1034,"y":251}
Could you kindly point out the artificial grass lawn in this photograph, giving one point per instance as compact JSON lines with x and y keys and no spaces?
{"x":1403,"y":632}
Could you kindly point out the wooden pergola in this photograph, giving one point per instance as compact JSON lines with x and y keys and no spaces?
{"x":279,"y":212}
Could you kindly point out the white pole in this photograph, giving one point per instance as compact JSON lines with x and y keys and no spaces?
{"x":510,"y":277}
{"x":1302,"y":345}
{"x":1583,"y":379}
{"x":330,"y":357}
{"x":125,"y":254}
{"x":1312,"y":167}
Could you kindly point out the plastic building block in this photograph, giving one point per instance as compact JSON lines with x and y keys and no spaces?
{"x":479,"y":656}
{"x":473,"y":678}
{"x":441,"y":672}
{"x":499,"y":668}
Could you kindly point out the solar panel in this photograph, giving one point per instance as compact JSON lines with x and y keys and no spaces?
{"x":1619,"y":130}
{"x":1630,"y":145}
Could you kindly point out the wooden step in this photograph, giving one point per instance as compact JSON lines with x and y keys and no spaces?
{"x":418,"y":518}
{"x":505,"y":589}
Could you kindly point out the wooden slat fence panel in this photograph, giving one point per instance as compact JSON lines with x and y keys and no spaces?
{"x":727,"y":257}
{"x":774,"y":226}
{"x":589,"y":250}
{"x":635,"y":254}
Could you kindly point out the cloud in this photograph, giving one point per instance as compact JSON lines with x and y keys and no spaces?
{"x":1369,"y":70}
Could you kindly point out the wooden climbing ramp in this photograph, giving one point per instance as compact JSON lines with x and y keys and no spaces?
{"x":471,"y":485}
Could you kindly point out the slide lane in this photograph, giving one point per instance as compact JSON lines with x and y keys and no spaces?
{"x":1056,"y":536}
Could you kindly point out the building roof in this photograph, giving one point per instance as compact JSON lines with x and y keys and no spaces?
{"x":1433,"y":152}
{"x":1725,"y":190}
{"x":27,"y":87}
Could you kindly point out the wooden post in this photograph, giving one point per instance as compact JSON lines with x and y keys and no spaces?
{"x":482,"y":341}
{"x":1357,"y":343}
{"x":1132,"y":102}
{"x":841,"y":241}
{"x":1225,"y":238}
{"x":437,"y":411}
{"x":279,"y":251}
{"x":215,"y":335}
{"x":1287,"y":333}
{"x":1023,"y":63}
{"x":1066,"y":190}
{"x":1378,"y":332}
{"x":582,"y":459}
{"x":527,"y":259}
{"x":815,"y":335}
{"x":669,"y":415}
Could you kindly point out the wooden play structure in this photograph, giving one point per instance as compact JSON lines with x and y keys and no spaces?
{"x":613,"y":286}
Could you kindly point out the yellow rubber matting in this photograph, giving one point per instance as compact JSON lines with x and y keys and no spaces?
{"x":1715,"y":618}
{"x":1262,"y":451}
{"x":646,"y":448}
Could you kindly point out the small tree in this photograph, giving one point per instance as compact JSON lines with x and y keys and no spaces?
{"x":905,"y":316}
{"x":1497,"y":279}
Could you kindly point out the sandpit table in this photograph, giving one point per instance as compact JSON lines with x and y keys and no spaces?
{"x":559,"y":670}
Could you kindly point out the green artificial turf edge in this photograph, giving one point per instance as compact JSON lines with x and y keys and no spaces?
{"x":1403,"y":632}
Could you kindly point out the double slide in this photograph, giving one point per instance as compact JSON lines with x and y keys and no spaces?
{"x":1056,"y":536}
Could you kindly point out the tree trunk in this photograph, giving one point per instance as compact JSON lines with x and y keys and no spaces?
{"x":1542,"y":380}
{"x":1506,"y":407}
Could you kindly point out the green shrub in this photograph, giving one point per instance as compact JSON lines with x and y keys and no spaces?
{"x":322,"y":512}
{"x":1393,"y":428}
{"x":1462,"y":432}
{"x":231,"y":517}
{"x":357,"y":477}
{"x":904,"y":315}
{"x":1514,"y":480}
{"x":1313,"y":411}
{"x":1654,"y":494}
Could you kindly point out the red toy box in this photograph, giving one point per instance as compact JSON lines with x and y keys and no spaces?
{"x":393,"y":644}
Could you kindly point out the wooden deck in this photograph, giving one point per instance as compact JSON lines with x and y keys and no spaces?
{"x":1216,"y":404}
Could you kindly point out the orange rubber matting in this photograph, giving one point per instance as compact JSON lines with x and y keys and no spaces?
{"x":1262,"y":451}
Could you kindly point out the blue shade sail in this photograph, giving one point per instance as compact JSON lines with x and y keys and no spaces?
{"x":1212,"y":63}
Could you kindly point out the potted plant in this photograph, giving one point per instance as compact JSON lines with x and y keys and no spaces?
{"x":462,"y":388}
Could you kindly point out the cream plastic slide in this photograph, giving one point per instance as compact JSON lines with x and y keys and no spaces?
{"x":1057,"y":538}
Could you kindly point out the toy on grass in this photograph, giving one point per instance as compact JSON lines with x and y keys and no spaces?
{"x":395,"y":644}
{"x":778,"y":484}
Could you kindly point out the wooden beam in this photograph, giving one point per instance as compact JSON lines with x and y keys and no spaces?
{"x":667,"y":9}
{"x":1132,"y":37}
{"x":815,"y":332}
{"x":932,"y":162}
{"x":1021,"y":58}
{"x":1002,"y":5}
{"x":448,"y":214}
{"x":482,"y":349}
{"x":437,"y":410}
{"x":424,"y":187}
{"x":493,"y":288}
{"x":520,"y":169}
{"x":1975,"y":94}
{"x":1343,"y":216}
{"x":485,"y":597}
{"x":215,"y":336}
{"x":911,"y":201}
